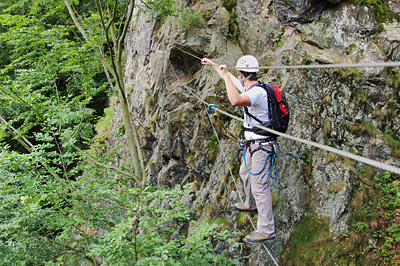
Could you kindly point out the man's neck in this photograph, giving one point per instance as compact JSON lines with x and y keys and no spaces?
{"x":249,"y":83}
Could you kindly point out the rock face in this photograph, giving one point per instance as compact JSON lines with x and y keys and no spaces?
{"x":301,"y":11}
{"x":336,"y":107}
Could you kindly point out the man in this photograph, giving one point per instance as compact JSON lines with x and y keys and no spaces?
{"x":246,"y":91}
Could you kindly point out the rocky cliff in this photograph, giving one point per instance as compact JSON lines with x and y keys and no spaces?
{"x":355,"y":110}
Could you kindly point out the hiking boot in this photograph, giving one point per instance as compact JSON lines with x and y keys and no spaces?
{"x":240,"y":207}
{"x":257,"y":238}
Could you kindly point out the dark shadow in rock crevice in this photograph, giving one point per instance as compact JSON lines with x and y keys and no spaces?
{"x":183,"y":63}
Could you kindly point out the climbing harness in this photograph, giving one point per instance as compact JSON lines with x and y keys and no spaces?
{"x":245,"y":144}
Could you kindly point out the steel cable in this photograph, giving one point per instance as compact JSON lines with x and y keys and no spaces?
{"x":377,"y":164}
{"x":355,"y":65}
{"x":350,"y":155}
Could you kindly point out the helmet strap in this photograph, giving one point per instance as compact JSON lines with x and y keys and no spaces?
{"x":242,"y":81}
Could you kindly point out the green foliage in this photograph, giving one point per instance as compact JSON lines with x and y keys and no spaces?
{"x":59,"y":207}
{"x":229,"y":4}
{"x":57,"y":222}
{"x":159,"y":9}
{"x":212,"y":145}
{"x":306,"y":157}
{"x":121,"y":131}
{"x":103,"y":126}
{"x":393,"y":143}
{"x":359,"y":227}
{"x":374,"y":219}
{"x":350,"y":49}
{"x":327,"y":127}
{"x":233,"y":31}
{"x":387,"y":210}
{"x":313,"y":244}
{"x":393,"y":79}
{"x":349,"y":74}
{"x":51,"y":91}
{"x":310,"y":242}
{"x":380,"y":10}
{"x":196,"y":248}
{"x":189,"y":18}
{"x":279,"y":39}
{"x":364,"y":128}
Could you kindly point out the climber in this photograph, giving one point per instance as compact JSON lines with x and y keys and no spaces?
{"x":246,"y":91}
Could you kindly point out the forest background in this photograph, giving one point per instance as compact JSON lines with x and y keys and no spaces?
{"x":61,"y":202}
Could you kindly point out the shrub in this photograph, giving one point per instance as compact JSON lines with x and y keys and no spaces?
{"x":189,"y":18}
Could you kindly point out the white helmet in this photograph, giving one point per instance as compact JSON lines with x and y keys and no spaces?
{"x":248,"y":61}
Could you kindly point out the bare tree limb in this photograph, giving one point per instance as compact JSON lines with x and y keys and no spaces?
{"x":126,"y":25}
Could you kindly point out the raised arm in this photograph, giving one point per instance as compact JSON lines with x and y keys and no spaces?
{"x":235,"y":98}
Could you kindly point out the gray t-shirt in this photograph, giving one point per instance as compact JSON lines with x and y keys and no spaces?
{"x":259,"y":107}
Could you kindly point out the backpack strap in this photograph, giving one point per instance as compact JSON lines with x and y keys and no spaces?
{"x":246,"y":110}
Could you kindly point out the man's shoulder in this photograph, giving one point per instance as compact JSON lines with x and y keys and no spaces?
{"x":257,"y":89}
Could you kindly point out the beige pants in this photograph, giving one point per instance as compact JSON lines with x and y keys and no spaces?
{"x":257,"y":187}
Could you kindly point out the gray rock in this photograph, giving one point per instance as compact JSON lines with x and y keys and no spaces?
{"x":301,"y":11}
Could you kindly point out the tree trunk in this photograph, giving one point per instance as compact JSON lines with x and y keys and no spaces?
{"x":131,"y":135}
